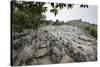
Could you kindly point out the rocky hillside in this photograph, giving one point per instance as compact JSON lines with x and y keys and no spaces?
{"x":53,"y":44}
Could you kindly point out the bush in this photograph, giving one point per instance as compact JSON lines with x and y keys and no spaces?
{"x":92,"y":30}
{"x":20,"y":21}
{"x":27,"y":15}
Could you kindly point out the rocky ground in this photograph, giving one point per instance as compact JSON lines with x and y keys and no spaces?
{"x":53,"y":44}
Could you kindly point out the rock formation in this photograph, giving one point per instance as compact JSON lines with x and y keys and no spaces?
{"x":53,"y":44}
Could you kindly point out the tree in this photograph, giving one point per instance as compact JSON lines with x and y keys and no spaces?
{"x":30,"y":14}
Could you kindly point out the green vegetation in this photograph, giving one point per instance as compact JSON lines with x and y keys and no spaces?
{"x":92,"y":29}
{"x":27,"y":14}
{"x":57,"y":22}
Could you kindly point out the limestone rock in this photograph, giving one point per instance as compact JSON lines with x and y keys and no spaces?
{"x":44,"y":60}
{"x":66,"y":59}
{"x":41,"y":52}
{"x":53,"y":44}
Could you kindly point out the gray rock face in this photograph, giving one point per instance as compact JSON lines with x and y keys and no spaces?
{"x":53,"y":44}
{"x":26,"y":53}
{"x":55,"y":55}
{"x":41,"y":52}
{"x":66,"y":59}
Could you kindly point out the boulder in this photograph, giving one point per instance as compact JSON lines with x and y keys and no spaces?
{"x":66,"y":59}
{"x":41,"y":52}
{"x":44,"y":60}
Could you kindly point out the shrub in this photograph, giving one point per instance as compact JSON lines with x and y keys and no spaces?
{"x":92,"y":30}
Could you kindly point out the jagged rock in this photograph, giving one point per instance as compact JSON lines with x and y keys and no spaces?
{"x":26,"y":53}
{"x":55,"y":55}
{"x":44,"y":60}
{"x":34,"y":61}
{"x":41,"y":52}
{"x":43,"y":46}
{"x":66,"y":59}
{"x":16,"y":44}
{"x":80,"y":54}
{"x":53,"y":44}
{"x":85,"y":38}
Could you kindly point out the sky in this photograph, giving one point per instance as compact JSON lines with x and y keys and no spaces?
{"x":86,"y":14}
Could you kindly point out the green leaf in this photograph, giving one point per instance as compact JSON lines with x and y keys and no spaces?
{"x":60,"y":5}
{"x":83,"y":6}
{"x":52,"y":4}
{"x":55,"y":11}
{"x":69,"y":6}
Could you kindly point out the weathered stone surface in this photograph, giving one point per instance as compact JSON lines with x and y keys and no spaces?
{"x":26,"y":53}
{"x":44,"y":60}
{"x":43,"y":46}
{"x":41,"y":52}
{"x":53,"y":44}
{"x":55,"y":55}
{"x":66,"y":59}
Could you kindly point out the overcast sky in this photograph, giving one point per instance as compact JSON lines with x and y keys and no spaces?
{"x":86,"y":14}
